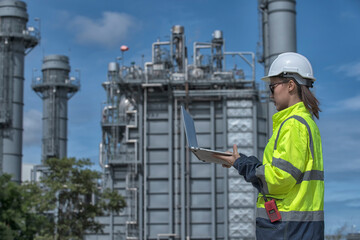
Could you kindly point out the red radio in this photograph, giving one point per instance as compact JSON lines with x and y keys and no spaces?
{"x":272,"y":211}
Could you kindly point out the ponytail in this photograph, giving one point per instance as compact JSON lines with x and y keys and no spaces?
{"x":309,"y":100}
{"x":307,"y":97}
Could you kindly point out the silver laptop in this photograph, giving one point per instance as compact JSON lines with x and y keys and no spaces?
{"x":205,"y":155}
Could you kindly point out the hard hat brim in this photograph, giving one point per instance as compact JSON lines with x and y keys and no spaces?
{"x":267,"y":78}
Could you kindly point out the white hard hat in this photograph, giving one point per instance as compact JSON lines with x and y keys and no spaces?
{"x":292,"y":65}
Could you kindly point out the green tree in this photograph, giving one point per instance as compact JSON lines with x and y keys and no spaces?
{"x":18,"y":217}
{"x":68,"y":198}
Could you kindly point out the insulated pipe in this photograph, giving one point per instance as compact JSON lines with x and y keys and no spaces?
{"x":15,"y":38}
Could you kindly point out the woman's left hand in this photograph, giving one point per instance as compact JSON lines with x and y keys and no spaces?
{"x":230,"y":159}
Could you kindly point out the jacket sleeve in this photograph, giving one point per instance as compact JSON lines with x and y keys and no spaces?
{"x":246,"y":167}
{"x":281,"y":173}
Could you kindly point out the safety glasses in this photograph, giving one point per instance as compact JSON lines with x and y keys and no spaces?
{"x":272,"y":86}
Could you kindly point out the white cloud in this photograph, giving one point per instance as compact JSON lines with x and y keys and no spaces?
{"x":109,"y":31}
{"x":350,"y":70}
{"x":351,"y":103}
{"x":32,"y":128}
{"x":348,"y":104}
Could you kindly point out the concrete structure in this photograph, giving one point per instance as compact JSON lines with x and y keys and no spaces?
{"x":55,"y":87}
{"x":15,"y":40}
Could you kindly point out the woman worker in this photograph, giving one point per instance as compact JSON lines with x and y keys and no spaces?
{"x":290,"y":178}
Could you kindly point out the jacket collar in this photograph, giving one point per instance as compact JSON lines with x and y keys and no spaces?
{"x":296,"y":109}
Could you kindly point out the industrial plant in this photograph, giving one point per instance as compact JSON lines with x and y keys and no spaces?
{"x":170,"y":194}
{"x":143,"y":152}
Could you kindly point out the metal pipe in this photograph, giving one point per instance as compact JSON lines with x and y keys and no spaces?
{"x":252,"y":64}
{"x":162,"y":235}
{"x":187,"y":188}
{"x":176,"y":168}
{"x":141,"y":192}
{"x":145,"y":163}
{"x":182,"y":181}
{"x":224,"y":50}
{"x":256,"y":150}
{"x":157,"y":44}
{"x":147,"y":64}
{"x":225,"y":172}
{"x":195,"y":47}
{"x":101,"y":156}
{"x":170,"y":159}
{"x":111,"y":211}
{"x":210,"y":93}
{"x":213,"y":171}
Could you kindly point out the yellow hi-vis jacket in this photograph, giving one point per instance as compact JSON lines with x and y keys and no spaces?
{"x":292,"y":170}
{"x":292,"y":173}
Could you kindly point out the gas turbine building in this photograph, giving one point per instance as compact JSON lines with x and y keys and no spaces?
{"x":170,"y":194}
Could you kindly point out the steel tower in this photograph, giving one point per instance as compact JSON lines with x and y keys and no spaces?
{"x":278,"y":28}
{"x":278,"y":35}
{"x":55,"y":88}
{"x":15,"y":39}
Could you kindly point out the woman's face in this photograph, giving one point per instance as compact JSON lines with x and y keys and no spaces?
{"x":280,"y":96}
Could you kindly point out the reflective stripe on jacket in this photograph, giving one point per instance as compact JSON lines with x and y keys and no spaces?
{"x":292,"y":173}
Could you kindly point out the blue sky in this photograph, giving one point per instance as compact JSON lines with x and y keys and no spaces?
{"x":90,"y":32}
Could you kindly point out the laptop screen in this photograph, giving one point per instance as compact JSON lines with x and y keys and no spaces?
{"x":189,"y":128}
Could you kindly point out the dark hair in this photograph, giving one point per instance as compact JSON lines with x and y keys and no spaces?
{"x":308,"y":98}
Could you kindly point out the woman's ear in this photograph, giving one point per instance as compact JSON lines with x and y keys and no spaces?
{"x":291,"y":85}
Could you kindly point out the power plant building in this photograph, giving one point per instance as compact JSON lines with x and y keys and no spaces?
{"x":170,"y":194}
